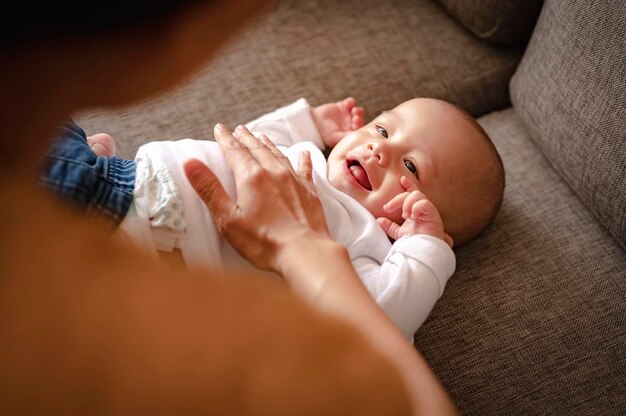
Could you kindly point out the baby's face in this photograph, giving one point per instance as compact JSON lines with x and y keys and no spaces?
{"x":429,"y":141}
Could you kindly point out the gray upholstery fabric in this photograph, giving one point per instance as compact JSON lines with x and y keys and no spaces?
{"x":570,"y":90}
{"x":497,"y":21}
{"x":382,"y":53}
{"x":533,"y":321}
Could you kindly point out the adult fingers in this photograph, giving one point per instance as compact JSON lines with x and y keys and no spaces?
{"x":305,"y":166}
{"x":210,"y":190}
{"x":389,"y":227}
{"x":257,"y":147}
{"x":280,"y":156}
{"x":262,"y":149}
{"x":305,"y":170}
{"x":246,"y":138}
{"x":237,"y":155}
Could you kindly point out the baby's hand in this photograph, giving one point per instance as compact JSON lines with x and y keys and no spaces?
{"x":420,"y":215}
{"x":335,"y":120}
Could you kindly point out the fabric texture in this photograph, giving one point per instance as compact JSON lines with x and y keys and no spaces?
{"x":496,"y":21}
{"x":532,"y":322}
{"x":157,"y":186}
{"x":570,"y":90}
{"x":381,"y":53}
{"x":100,"y":187}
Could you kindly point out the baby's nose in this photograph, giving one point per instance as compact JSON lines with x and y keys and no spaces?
{"x":377,"y":150}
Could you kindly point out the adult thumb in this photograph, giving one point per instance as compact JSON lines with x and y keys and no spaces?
{"x":209,"y":188}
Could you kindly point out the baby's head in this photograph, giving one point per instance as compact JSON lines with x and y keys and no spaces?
{"x":440,"y":148}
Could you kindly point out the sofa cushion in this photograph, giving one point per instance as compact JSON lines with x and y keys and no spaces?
{"x":497,"y":21}
{"x":382,"y":53}
{"x":532,"y":322}
{"x":570,"y":90}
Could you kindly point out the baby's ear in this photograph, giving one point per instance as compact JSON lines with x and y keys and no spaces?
{"x":407,"y":184}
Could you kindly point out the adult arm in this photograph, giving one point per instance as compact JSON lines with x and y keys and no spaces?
{"x":91,"y":326}
{"x":277,"y":223}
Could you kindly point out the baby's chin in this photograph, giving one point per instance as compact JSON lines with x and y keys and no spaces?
{"x":339,"y":182}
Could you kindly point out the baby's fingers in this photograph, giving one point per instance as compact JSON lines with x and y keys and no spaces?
{"x":410,"y":201}
{"x":357,"y":122}
{"x":389,"y":227}
{"x":348,"y":103}
{"x":395,"y":202}
{"x":424,"y":211}
{"x":407,"y":184}
{"x":358,"y":117}
{"x":357,"y":110}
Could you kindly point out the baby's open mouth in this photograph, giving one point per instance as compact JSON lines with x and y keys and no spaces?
{"x":359,"y":174}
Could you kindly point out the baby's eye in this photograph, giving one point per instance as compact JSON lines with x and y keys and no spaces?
{"x":411,"y":167}
{"x":382,"y":131}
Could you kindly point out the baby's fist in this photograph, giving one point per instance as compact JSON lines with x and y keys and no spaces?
{"x":420,"y":217}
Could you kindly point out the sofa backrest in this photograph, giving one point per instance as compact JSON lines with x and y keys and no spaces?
{"x":570,"y":91}
{"x":496,"y":21}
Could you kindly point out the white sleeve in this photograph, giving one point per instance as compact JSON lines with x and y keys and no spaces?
{"x":411,"y":279}
{"x":288,"y":125}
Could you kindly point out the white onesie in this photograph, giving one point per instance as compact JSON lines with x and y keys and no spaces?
{"x":405,"y":278}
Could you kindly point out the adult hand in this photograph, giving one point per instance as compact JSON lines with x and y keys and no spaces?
{"x":275,"y":205}
{"x":277,"y":223}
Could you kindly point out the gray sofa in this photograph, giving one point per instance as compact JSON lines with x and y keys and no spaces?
{"x":534,"y":319}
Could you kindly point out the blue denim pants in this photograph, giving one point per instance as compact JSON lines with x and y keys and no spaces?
{"x":101,"y":187}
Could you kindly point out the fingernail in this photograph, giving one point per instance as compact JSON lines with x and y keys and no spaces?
{"x":220,"y":127}
{"x":192,"y":168}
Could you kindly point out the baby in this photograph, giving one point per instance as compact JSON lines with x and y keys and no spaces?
{"x":398,"y":192}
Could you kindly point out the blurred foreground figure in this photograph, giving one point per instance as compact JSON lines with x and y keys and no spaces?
{"x":88,"y":325}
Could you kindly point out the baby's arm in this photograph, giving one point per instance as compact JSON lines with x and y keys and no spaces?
{"x":323,"y":125}
{"x":410,"y":280}
{"x":288,"y":125}
{"x":420,"y":215}
{"x":413,"y":275}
